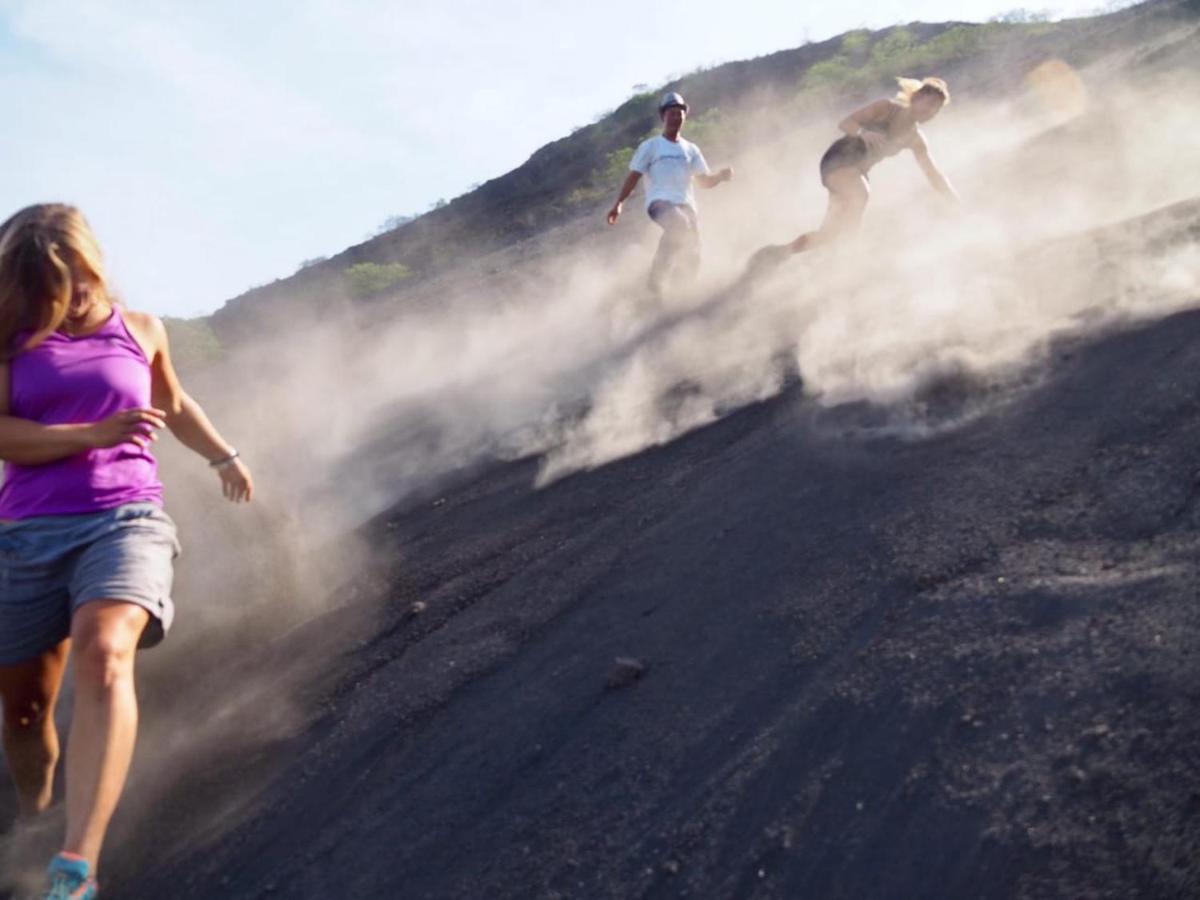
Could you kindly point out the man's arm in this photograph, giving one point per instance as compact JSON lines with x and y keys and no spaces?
{"x":631,"y":181}
{"x":712,"y":179}
{"x":700,"y":171}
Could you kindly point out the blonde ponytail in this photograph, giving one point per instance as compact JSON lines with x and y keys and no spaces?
{"x":910,"y":87}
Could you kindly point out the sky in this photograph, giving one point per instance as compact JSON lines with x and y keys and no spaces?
{"x":215,"y":146}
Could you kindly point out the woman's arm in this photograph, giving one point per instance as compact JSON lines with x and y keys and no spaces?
{"x":938,"y":181}
{"x":29,"y":443}
{"x":183,"y":415}
{"x":853,"y":124}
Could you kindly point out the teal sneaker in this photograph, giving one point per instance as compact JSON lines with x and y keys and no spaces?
{"x":70,"y":879}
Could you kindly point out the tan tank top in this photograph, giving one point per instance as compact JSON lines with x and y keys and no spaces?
{"x":895,"y":139}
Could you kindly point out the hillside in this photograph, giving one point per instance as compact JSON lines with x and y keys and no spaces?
{"x":565,"y":185}
{"x":873,"y":577}
{"x":873,"y":667}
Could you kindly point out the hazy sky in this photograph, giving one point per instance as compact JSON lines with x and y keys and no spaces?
{"x":216,"y":145}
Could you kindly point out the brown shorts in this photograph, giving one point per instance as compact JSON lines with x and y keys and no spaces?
{"x":844,"y":153}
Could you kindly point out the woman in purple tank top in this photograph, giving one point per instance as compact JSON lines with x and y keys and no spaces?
{"x":85,"y":548}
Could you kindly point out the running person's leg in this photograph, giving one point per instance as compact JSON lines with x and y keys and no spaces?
{"x":120,"y":588}
{"x":28,"y":692}
{"x":678,"y":235}
{"x":105,"y":635}
{"x":689,"y":252}
{"x":849,"y":192}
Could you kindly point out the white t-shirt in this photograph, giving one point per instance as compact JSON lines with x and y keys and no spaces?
{"x":667,"y":168}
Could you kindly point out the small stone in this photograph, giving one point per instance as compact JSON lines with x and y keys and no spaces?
{"x":625,"y":671}
{"x":671,"y":867}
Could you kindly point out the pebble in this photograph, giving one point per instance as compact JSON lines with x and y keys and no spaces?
{"x":625,"y":671}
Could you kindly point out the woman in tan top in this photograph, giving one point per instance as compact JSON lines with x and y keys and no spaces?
{"x":877,"y":131}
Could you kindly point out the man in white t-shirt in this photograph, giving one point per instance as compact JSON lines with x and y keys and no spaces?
{"x":669,"y":163}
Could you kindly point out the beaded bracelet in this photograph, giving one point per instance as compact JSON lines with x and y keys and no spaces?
{"x":224,"y":461}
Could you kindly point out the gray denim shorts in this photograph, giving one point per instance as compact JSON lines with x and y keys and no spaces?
{"x":52,"y":565}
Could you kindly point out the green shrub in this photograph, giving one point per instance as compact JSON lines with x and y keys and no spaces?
{"x":710,"y":128}
{"x":193,"y":342}
{"x":893,"y":52}
{"x":838,"y":73}
{"x":827,"y":73}
{"x":585,"y":196}
{"x":856,"y":43}
{"x":954,"y":43}
{"x":368,"y":278}
{"x":616,"y":167}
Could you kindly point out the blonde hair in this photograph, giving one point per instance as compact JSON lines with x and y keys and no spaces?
{"x":911,"y":87}
{"x":41,"y":249}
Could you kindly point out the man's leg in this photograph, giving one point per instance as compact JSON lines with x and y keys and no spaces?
{"x":105,"y":635}
{"x":689,"y":252}
{"x":676,"y":230}
{"x":29,"y":691}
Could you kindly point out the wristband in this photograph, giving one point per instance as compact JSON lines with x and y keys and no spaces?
{"x":224,"y":460}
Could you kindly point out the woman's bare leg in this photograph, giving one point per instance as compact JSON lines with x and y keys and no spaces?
{"x":849,"y":192}
{"x":29,"y":691}
{"x":105,"y":634}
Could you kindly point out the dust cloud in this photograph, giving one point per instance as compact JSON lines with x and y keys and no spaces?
{"x":573,"y":364}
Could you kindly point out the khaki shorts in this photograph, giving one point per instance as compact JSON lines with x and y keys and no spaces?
{"x":52,"y":565}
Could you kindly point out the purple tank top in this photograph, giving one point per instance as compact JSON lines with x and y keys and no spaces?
{"x":71,"y":380}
